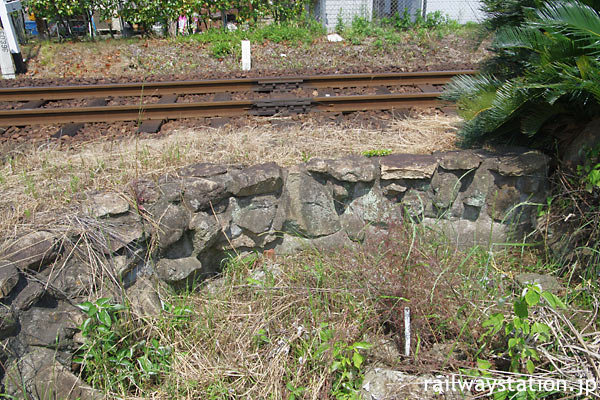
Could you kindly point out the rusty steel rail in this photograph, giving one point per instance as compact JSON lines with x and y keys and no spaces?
{"x":226,"y":85}
{"x":41,"y":116}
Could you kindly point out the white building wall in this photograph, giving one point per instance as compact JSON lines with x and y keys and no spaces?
{"x":460,"y":10}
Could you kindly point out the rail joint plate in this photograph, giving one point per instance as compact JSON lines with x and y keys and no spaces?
{"x":280,"y":106}
{"x":277,"y":85}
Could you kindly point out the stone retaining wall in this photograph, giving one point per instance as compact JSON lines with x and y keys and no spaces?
{"x":180,"y":228}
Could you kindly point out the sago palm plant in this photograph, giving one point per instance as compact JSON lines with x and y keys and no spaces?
{"x":558,"y":46}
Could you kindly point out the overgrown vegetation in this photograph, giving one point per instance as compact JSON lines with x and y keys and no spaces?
{"x":148,"y":13}
{"x":224,"y":43}
{"x":394,"y":30}
{"x":313,"y":324}
{"x":114,"y":355}
{"x":552,"y":77}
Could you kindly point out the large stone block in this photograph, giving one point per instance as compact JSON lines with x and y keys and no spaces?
{"x":32,"y":251}
{"x":50,"y":327}
{"x":179,"y":271}
{"x":502,"y":201}
{"x":477,"y":192}
{"x":107,"y":204}
{"x":445,"y":188}
{"x":203,"y":170}
{"x":293,"y":244}
{"x":168,"y":222}
{"x":206,"y":229}
{"x":256,"y":214}
{"x":9,"y":276}
{"x":200,"y":193}
{"x":9,"y":323}
{"x":370,"y":205}
{"x":143,"y":298}
{"x":408,"y":166}
{"x":349,"y":169}
{"x":309,"y":205}
{"x":258,"y":179}
{"x":117,"y":233}
{"x":523,"y":163}
{"x":37,"y":375}
{"x":465,"y":234}
{"x":71,"y":280}
{"x":459,"y":160}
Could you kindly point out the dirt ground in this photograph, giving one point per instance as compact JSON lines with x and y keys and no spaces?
{"x":148,"y":58}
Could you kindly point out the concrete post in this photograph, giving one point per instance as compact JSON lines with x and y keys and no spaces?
{"x":246,"y":57}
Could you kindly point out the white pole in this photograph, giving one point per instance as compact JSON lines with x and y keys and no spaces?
{"x":6,"y":61}
{"x":406,"y":331}
{"x":246,"y":57}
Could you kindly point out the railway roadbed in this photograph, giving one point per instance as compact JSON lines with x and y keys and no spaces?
{"x":150,"y":104}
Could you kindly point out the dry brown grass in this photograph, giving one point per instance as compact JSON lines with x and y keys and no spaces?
{"x":261,"y":325}
{"x":39,"y":180}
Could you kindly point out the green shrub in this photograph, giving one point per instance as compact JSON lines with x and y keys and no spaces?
{"x":557,"y":50}
{"x":221,"y":49}
{"x":112,"y":358}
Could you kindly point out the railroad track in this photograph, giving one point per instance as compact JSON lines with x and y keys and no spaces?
{"x":167,"y":108}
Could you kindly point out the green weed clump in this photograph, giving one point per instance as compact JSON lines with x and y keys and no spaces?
{"x":225,"y":43}
{"x":114,"y":357}
{"x":396,"y":29}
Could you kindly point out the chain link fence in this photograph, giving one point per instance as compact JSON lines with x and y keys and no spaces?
{"x":329,"y":12}
{"x":460,"y":10}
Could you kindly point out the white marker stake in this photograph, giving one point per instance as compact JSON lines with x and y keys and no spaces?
{"x":6,"y":61}
{"x":246,"y":59}
{"x":406,"y":331}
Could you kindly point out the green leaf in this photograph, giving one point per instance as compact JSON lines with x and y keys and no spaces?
{"x":520,"y":308}
{"x":362,"y":345}
{"x":553,"y":301}
{"x":530,"y":366}
{"x":357,"y":359}
{"x":335,"y":366}
{"x":103,"y":301}
{"x":483,"y":364}
{"x":495,"y":321}
{"x":105,"y":318}
{"x":542,"y":329}
{"x":500,"y":395}
{"x":85,"y":326}
{"x":85,"y":306}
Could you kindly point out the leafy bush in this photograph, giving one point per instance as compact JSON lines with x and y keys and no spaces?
{"x":150,"y":12}
{"x":522,"y":335}
{"x":111,"y":357}
{"x":558,"y":50}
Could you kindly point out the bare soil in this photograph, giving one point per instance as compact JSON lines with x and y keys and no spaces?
{"x":139,"y":59}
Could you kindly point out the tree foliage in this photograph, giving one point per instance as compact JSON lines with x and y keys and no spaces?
{"x":558,"y":78}
{"x":150,"y":12}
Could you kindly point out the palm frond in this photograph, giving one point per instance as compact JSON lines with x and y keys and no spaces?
{"x":572,"y":18}
{"x":472,"y":94}
{"x":536,"y":116}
